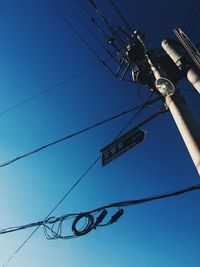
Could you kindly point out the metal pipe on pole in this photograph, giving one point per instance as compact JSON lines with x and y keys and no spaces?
{"x":192,"y":73}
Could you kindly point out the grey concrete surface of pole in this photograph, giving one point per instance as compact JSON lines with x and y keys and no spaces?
{"x":187,"y":125}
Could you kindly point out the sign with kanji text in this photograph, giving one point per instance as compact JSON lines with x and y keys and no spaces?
{"x":121,"y":145}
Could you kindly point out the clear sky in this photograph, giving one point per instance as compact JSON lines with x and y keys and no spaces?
{"x":37,"y":51}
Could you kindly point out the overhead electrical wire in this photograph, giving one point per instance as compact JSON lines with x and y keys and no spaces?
{"x":67,"y":22}
{"x":87,"y":27}
{"x":107,"y":24}
{"x":192,"y":19}
{"x":78,"y":133}
{"x":195,"y":21}
{"x":135,"y":115}
{"x":120,"y":204}
{"x":92,"y":19}
{"x":88,"y":169}
{"x":114,"y":5}
{"x":60,"y":201}
{"x":50,"y":88}
{"x":102,"y":17}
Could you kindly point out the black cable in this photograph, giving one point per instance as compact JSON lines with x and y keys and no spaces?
{"x":47,"y":219}
{"x":192,"y":18}
{"x":80,"y":36}
{"x":135,"y":115}
{"x":114,"y":5}
{"x":87,"y":27}
{"x":107,"y":24}
{"x":75,"y":134}
{"x":61,"y":200}
{"x":52,"y":87}
{"x":92,"y":19}
{"x":99,"y":13}
{"x":88,"y":214}
{"x":148,"y":199}
{"x":74,"y":30}
{"x":195,"y":21}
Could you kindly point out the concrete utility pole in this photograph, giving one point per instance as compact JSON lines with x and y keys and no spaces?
{"x":160,"y":73}
{"x":187,"y":125}
{"x":175,"y":53}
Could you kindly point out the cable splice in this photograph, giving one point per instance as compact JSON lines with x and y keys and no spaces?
{"x":89,"y":215}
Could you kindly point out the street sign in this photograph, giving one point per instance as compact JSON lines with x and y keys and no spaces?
{"x":121,"y":145}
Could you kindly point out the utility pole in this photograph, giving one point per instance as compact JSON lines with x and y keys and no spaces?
{"x":186,"y":124}
{"x":161,"y":73}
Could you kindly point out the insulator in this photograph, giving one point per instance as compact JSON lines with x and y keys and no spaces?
{"x":135,"y":52}
{"x":143,"y":77}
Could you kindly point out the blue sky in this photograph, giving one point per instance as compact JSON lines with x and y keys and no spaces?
{"x":38,"y":50}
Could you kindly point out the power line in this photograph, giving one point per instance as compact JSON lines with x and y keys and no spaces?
{"x":120,"y":15}
{"x":87,"y":27}
{"x":61,"y":200}
{"x":113,"y":205}
{"x":100,"y":14}
{"x":192,"y":18}
{"x":52,"y":87}
{"x":135,"y":115}
{"x":93,"y":20}
{"x":195,"y":21}
{"x":78,"y":133}
{"x":107,"y":24}
{"x":74,"y":30}
{"x":80,"y":36}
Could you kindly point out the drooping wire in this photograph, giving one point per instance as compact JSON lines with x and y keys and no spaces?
{"x":60,"y":201}
{"x":192,"y":19}
{"x":54,"y":220}
{"x":80,"y":36}
{"x":114,"y":33}
{"x":135,"y":115}
{"x":102,"y":17}
{"x":92,"y":19}
{"x":87,"y":27}
{"x":67,"y":22}
{"x":114,"y":5}
{"x":156,"y":197}
{"x":77,"y":133}
{"x":195,"y":21}
{"x":50,"y":88}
